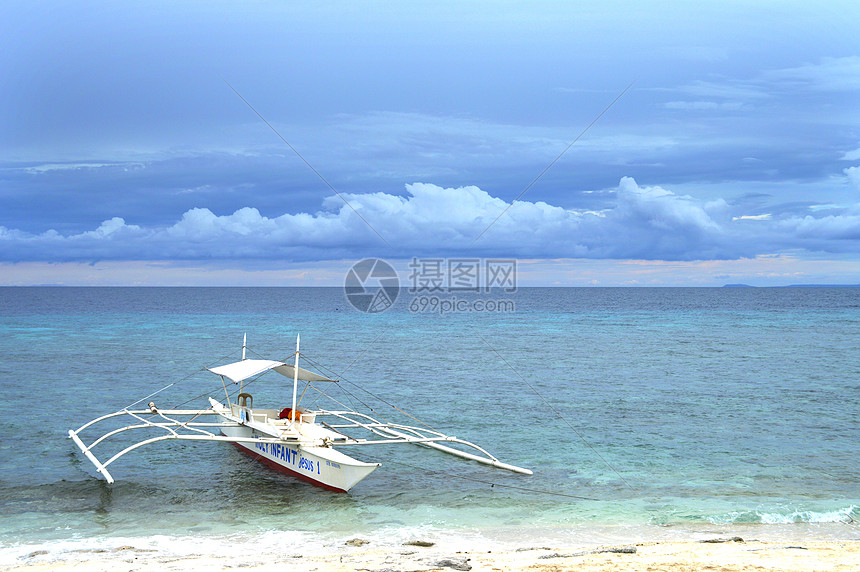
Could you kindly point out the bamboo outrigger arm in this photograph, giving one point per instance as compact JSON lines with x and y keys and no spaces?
{"x":399,"y":434}
{"x":291,"y":440}
{"x":387,"y":433}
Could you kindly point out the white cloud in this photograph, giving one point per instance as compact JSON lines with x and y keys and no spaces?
{"x":646,"y":222}
{"x":828,"y":206}
{"x":752,"y":217}
{"x":51,"y":167}
{"x":785,"y":85}
{"x":829,"y":74}
{"x":851,"y":155}
{"x":730,"y":89}
{"x":402,"y":145}
{"x":705,"y":105}
{"x":830,"y":228}
{"x":853,"y":174}
{"x":109,"y":227}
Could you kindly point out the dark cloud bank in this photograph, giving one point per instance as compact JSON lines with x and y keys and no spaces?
{"x":644,"y":222}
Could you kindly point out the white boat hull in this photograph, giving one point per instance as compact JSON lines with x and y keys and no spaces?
{"x":290,"y":440}
{"x":321,"y":466}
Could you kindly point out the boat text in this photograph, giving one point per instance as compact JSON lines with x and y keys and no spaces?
{"x":287,"y":455}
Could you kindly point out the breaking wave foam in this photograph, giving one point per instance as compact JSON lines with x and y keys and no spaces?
{"x":261,"y":544}
{"x":845,"y":515}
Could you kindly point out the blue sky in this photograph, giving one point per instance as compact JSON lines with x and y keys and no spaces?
{"x":125,"y":158}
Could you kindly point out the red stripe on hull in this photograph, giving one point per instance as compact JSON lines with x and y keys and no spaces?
{"x":282,"y":469}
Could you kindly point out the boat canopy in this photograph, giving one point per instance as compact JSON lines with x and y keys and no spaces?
{"x":246,"y":368}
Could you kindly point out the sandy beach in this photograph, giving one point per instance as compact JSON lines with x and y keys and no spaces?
{"x":722,"y":553}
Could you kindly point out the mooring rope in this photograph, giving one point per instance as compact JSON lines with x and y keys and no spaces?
{"x":371,"y":394}
{"x":177,"y":382}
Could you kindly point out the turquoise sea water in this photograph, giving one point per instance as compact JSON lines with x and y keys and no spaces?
{"x":636,"y":409}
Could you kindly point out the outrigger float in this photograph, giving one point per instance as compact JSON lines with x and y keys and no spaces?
{"x":301,"y":443}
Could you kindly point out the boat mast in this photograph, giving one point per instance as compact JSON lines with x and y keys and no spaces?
{"x":295,"y":380}
{"x":241,"y":383}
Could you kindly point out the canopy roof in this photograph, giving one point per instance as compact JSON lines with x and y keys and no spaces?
{"x":244,"y":369}
{"x":305,"y":375}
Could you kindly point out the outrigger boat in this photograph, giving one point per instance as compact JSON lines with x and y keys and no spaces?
{"x":301,"y":443}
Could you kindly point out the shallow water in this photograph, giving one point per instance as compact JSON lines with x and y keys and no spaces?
{"x":637,"y":409}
